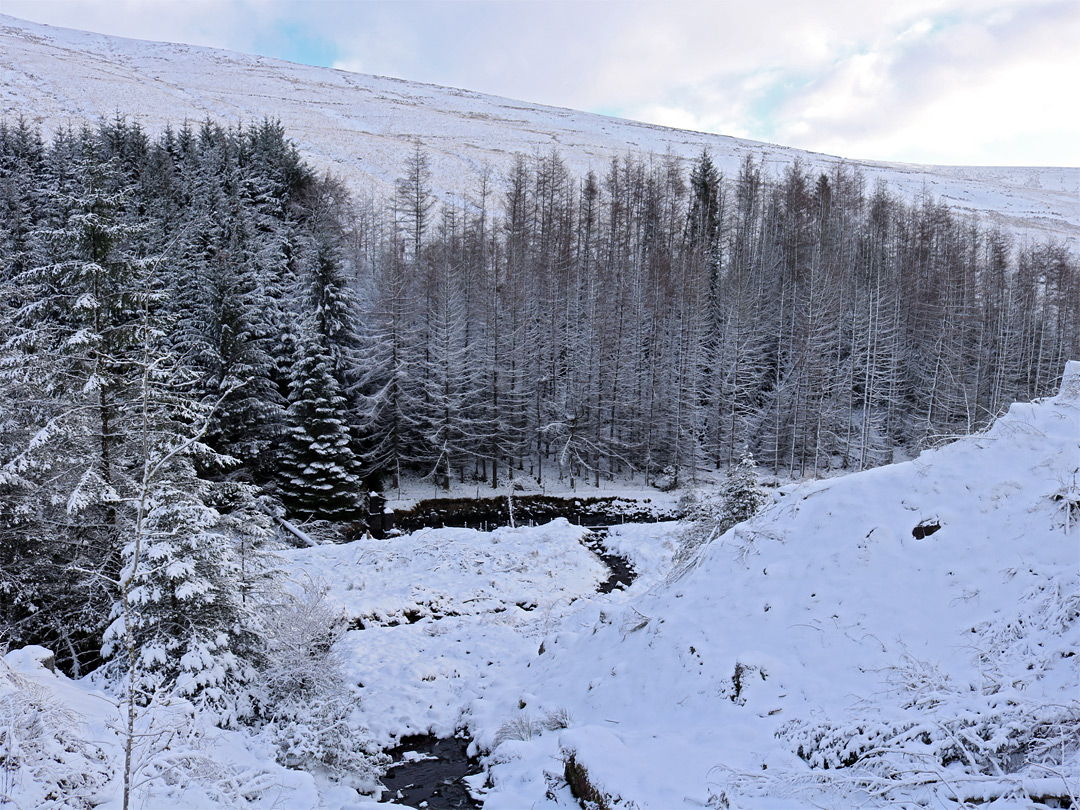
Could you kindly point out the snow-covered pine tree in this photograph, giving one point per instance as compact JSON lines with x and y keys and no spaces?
{"x":181,"y":624}
{"x":319,"y":475}
{"x":391,"y":354}
{"x":187,"y":622}
{"x":236,"y":347}
{"x":449,"y":417}
{"x":740,"y":495}
{"x":229,"y":290}
{"x":67,"y":370}
{"x":101,"y":396}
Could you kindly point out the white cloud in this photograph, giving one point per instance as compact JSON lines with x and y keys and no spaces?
{"x":971,"y":91}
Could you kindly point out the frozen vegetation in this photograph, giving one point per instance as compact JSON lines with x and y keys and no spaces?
{"x":214,"y":357}
{"x":905,"y":636}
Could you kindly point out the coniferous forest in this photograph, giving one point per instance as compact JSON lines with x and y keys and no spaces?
{"x":199,"y":333}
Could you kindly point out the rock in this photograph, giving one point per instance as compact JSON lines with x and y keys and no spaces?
{"x":31,"y":657}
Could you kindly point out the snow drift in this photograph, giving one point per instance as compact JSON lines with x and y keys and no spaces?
{"x":906,"y":636}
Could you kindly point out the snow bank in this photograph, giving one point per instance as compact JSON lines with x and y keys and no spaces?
{"x":441,"y":613}
{"x":912,"y":628}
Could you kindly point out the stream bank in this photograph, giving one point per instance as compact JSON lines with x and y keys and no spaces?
{"x":486,"y":514}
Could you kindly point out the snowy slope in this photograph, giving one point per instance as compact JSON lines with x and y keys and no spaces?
{"x":826,"y":623}
{"x":362,"y":127}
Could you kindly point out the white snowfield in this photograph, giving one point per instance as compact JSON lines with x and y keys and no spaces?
{"x":825,"y":622}
{"x":934,"y":665}
{"x":362,"y":127}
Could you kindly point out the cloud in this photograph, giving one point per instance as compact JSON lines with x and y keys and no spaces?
{"x":195,"y":22}
{"x":964,"y":89}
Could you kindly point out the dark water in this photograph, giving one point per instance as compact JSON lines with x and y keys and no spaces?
{"x":434,"y":781}
{"x":486,"y":514}
{"x":621,"y":575}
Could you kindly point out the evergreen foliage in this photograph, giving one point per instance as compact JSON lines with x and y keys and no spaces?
{"x":319,"y":474}
{"x":708,"y":516}
{"x":649,"y":317}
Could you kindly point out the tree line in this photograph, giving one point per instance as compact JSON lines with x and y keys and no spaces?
{"x":638,"y":322}
{"x":649,"y":323}
{"x":305,"y":345}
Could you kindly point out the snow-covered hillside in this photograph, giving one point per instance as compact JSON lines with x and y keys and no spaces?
{"x":912,"y":631}
{"x":905,"y":636}
{"x":917,"y":623}
{"x":362,"y":127}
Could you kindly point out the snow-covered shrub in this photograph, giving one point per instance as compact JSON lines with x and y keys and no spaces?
{"x":519,"y":727}
{"x":307,"y":704}
{"x":172,"y":759}
{"x":930,"y":736}
{"x":706,"y":516}
{"x":44,"y":760}
{"x":557,"y":718}
{"x":667,"y":480}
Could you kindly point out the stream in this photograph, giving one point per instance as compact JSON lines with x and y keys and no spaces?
{"x":621,"y":573}
{"x":428,"y":772}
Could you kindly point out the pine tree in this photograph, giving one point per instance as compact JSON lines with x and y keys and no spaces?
{"x":740,"y":496}
{"x":319,"y":475}
{"x":184,"y":624}
{"x":708,"y":516}
{"x":68,"y":369}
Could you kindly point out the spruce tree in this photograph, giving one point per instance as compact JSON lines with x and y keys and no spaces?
{"x":318,"y":475}
{"x":741,"y":497}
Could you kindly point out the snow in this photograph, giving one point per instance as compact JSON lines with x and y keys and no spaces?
{"x":446,"y":613}
{"x":62,"y":736}
{"x":835,"y":622}
{"x":362,"y":127}
{"x":815,"y":610}
{"x":822,"y":622}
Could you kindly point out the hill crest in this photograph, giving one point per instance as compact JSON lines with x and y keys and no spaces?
{"x":363,"y":127}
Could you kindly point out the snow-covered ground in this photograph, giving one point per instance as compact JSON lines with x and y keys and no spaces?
{"x":838,"y":622}
{"x":446,"y":612}
{"x":827,"y":623}
{"x":439,"y":617}
{"x":363,"y":127}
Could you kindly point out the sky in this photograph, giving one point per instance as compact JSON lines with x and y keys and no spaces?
{"x":986,"y":82}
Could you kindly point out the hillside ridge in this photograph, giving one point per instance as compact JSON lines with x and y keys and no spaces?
{"x":362,"y":127}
